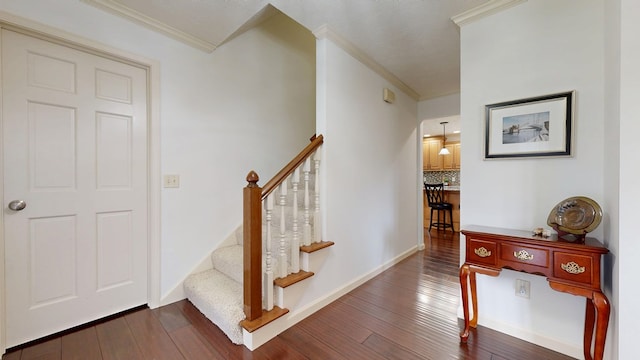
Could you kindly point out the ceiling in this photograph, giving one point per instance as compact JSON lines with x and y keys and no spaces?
{"x":434,"y":127}
{"x":414,"y":40}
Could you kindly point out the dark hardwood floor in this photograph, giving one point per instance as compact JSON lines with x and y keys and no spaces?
{"x":407,"y":312}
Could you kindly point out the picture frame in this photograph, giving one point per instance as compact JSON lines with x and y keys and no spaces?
{"x":530,"y":128}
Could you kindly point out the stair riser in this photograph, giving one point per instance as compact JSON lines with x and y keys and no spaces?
{"x":289,"y":297}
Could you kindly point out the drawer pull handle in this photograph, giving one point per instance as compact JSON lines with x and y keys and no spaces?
{"x":572,"y":268}
{"x":523,"y":255}
{"x":482,"y":252}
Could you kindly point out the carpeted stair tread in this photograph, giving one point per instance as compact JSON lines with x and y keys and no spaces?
{"x":228,"y":260}
{"x":219,"y":298}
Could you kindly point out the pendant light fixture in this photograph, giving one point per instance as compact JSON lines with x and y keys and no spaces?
{"x":444,"y":150}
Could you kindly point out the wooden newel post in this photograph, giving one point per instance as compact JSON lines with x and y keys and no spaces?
{"x":252,"y":247}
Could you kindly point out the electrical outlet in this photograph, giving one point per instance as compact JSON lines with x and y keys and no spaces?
{"x":172,"y":181}
{"x":523,"y":288}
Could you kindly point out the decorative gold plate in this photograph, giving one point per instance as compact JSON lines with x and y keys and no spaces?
{"x":576,"y":215}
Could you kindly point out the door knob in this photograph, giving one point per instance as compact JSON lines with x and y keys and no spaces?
{"x":17,"y":205}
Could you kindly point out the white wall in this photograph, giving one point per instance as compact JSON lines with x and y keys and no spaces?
{"x":433,"y":111}
{"x":611,"y":221}
{"x":220,"y":113}
{"x":626,"y":312}
{"x":370,"y":173}
{"x":536,"y":48}
{"x":439,"y":107}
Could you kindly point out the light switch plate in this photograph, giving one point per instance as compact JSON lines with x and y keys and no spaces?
{"x":172,"y":181}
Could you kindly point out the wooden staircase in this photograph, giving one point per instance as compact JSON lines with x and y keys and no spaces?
{"x":268,"y":281}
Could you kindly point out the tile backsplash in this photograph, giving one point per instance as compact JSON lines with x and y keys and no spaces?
{"x":436,"y":177}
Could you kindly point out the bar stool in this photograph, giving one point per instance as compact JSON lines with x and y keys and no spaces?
{"x":435,"y":198}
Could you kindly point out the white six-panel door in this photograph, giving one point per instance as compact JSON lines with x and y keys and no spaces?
{"x":74,"y":144}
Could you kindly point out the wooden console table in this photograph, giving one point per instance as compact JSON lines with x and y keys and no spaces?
{"x":573,"y":268}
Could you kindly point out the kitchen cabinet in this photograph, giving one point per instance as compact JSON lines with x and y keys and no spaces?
{"x":452,"y":161}
{"x":430,"y":158}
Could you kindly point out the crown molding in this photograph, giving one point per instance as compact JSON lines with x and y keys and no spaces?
{"x":489,"y":8}
{"x":324,"y":32}
{"x":150,"y":23}
{"x":264,"y":14}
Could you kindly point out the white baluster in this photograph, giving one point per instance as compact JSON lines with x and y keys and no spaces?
{"x":306,"y":169}
{"x":317,"y":219}
{"x":282,"y":255}
{"x":268,"y":272}
{"x":295,"y":238}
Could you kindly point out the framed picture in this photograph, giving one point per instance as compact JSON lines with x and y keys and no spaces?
{"x":534,"y":127}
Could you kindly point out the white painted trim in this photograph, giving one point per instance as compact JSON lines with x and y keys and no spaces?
{"x":420,"y":183}
{"x":150,"y":23}
{"x":324,"y":32}
{"x":17,"y":23}
{"x":3,"y":337}
{"x":423,"y":98}
{"x":154,"y":209}
{"x":255,"y":339}
{"x":484,"y":10}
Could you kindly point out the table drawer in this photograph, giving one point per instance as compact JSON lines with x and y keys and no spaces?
{"x":481,"y":252}
{"x":525,"y":255}
{"x":572,"y":267}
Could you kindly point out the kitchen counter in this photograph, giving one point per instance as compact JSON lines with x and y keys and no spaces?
{"x":452,"y":188}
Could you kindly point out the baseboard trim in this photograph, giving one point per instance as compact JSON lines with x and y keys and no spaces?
{"x":534,"y":338}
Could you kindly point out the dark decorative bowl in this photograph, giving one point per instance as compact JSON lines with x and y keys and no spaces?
{"x":574,"y":217}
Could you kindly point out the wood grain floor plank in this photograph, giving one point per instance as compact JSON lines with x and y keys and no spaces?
{"x":407,"y":312}
{"x":344,"y":325}
{"x":48,"y":350}
{"x":192,"y":345}
{"x":307,"y":344}
{"x":151,"y":337}
{"x":497,"y":357}
{"x":508,"y":347}
{"x":117,"y":341}
{"x":81,"y":345}
{"x":171,"y":317}
{"x":393,"y":331}
{"x":389,"y":349}
{"x":277,"y":349}
{"x":13,"y":355}
{"x":417,"y":327}
{"x":337,"y":340}
{"x":412,"y":307}
{"x":212,"y":333}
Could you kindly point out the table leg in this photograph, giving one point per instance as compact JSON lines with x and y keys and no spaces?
{"x":464,"y":287}
{"x":589,"y":322}
{"x":601,"y":304}
{"x":474,"y":299}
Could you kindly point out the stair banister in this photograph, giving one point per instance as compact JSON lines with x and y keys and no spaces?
{"x":253,"y":196}
{"x":306,"y":228}
{"x":252,"y":253}
{"x":282,"y":255}
{"x":317,"y":230}
{"x":292,"y":165}
{"x":267,"y":281}
{"x":295,"y":239}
